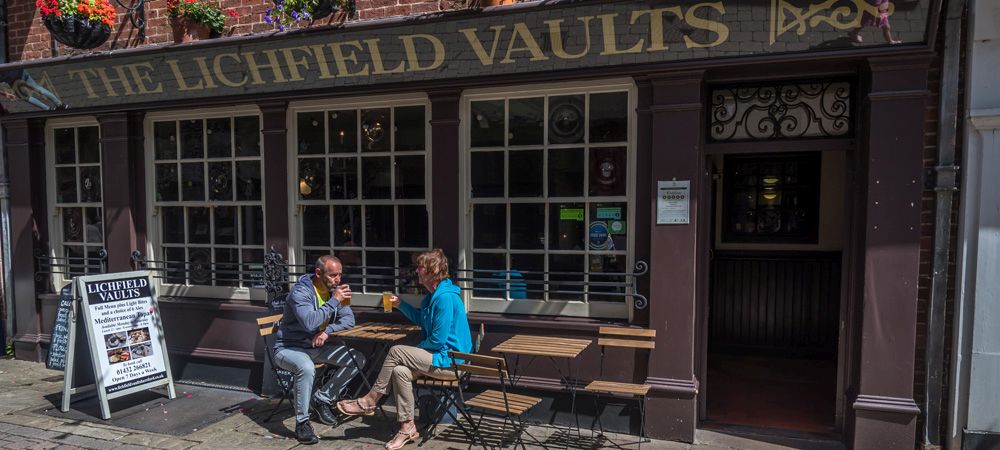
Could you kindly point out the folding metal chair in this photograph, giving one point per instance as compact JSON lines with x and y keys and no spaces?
{"x":267,"y":326}
{"x":445,"y":392}
{"x":500,"y":403}
{"x":636,"y":339}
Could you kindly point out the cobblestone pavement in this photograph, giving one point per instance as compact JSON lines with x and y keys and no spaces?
{"x":24,"y":386}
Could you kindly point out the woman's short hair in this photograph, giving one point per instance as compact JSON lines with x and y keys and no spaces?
{"x":434,"y":263}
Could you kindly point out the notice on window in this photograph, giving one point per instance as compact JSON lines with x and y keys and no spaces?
{"x":123,"y":320}
{"x":673,"y":202}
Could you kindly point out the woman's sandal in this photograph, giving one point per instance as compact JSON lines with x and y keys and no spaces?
{"x":410,"y":437}
{"x":361,"y":411}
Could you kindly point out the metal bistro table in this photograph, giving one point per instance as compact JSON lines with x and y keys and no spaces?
{"x":382,"y":335}
{"x":546,"y":347}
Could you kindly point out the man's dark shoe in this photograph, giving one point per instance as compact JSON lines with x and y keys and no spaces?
{"x":304,"y":433}
{"x":324,"y":413}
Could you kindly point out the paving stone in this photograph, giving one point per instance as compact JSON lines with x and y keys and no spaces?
{"x":155,"y":441}
{"x":88,"y":430}
{"x":88,"y":442}
{"x":31,"y":432}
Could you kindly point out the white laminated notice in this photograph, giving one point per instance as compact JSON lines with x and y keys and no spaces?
{"x":673,"y":202}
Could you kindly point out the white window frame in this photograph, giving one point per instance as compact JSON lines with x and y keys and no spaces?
{"x":55,"y":227}
{"x":295,"y":238}
{"x":155,"y":233}
{"x":603,"y":310}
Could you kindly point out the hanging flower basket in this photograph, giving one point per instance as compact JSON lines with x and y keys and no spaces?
{"x":76,"y":32}
{"x":288,"y":12}
{"x":187,"y":30}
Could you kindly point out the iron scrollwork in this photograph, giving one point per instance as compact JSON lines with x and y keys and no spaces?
{"x":640,"y":301}
{"x":275,"y":274}
{"x":817,"y":109}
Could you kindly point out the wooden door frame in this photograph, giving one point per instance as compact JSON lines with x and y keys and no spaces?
{"x":848,"y":308}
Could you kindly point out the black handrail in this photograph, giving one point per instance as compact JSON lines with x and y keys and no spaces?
{"x":70,"y":266}
{"x":275,"y":275}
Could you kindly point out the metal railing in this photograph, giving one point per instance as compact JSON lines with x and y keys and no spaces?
{"x":512,"y":284}
{"x":69,"y":266}
{"x":200,"y":273}
{"x":275,"y":275}
{"x":555,"y":285}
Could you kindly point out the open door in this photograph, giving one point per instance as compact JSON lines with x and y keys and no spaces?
{"x":771,"y":319}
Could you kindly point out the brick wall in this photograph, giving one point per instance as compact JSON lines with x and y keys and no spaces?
{"x":28,"y":39}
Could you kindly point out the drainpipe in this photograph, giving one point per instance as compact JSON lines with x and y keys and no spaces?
{"x":945,"y":186}
{"x":8,"y":306}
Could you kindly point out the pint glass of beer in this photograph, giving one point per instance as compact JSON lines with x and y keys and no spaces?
{"x":387,"y":301}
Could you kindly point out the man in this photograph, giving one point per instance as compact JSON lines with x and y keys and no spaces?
{"x":314,"y":310}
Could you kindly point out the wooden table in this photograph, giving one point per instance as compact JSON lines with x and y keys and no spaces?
{"x":378,"y":331}
{"x":545,"y":347}
{"x":382,"y":335}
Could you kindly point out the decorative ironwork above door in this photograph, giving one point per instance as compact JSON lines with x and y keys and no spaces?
{"x":781,"y":111}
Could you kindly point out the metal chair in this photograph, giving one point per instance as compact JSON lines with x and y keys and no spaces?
{"x":267,"y":326}
{"x":445,"y":392}
{"x":634,"y":338}
{"x":501,"y":403}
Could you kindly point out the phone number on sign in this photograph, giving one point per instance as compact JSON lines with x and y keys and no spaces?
{"x":131,"y":369}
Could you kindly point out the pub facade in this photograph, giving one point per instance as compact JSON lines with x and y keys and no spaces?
{"x":744,"y":177}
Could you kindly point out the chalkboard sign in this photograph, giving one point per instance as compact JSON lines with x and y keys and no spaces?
{"x":60,"y":330}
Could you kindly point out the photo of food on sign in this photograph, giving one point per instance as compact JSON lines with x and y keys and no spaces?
{"x":119,"y":355}
{"x":117,"y":339}
{"x":142,"y":350}
{"x":138,"y":335}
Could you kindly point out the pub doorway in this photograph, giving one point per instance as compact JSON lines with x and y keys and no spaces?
{"x":774,"y":292}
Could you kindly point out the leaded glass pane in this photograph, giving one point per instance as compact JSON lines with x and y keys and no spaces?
{"x":64,"y":141}
{"x":247,"y":136}
{"x":375,"y":131}
{"x":192,"y":139}
{"x":192,"y":181}
{"x":527,"y":121}
{"x":344,"y":131}
{"x":165,"y":140}
{"x":379,"y":226}
{"x":220,"y":138}
{"x":409,"y":128}
{"x":88,"y":145}
{"x":310,"y":128}
{"x":487,"y":124}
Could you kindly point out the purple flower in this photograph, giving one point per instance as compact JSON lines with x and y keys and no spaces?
{"x":295,"y":14}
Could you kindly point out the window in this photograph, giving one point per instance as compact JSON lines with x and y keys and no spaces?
{"x":207,"y":198}
{"x":361,"y":188}
{"x":772,"y":198}
{"x":78,"y":216}
{"x":549,"y":183}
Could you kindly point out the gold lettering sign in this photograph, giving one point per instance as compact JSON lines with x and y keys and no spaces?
{"x":536,"y":39}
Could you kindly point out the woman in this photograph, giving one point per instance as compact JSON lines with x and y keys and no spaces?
{"x":445,"y":328}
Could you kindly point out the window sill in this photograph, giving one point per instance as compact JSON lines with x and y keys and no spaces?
{"x":532,"y":321}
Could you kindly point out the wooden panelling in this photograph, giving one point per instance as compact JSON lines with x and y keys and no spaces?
{"x":786,"y":303}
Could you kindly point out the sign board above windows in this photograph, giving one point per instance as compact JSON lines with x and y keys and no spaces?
{"x":542,"y":38}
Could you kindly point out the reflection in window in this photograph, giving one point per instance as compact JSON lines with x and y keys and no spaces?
{"x":548,"y":182}
{"x":361,"y":189}
{"x":208,"y":201}
{"x":78,"y":195}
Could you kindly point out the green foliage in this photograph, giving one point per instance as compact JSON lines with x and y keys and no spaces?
{"x":199,"y":11}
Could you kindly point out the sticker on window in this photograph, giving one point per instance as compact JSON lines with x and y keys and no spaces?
{"x":609,"y":213}
{"x":571,"y":214}
{"x":600,"y":238}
